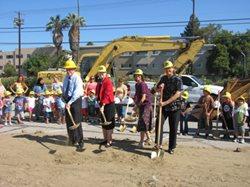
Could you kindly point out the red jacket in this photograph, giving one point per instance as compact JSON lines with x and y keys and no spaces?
{"x":106,"y":93}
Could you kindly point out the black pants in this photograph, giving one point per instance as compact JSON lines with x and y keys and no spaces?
{"x":173,"y":119}
{"x":76,"y":135}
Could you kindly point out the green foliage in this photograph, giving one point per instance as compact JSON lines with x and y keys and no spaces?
{"x":9,"y":70}
{"x":36,"y":63}
{"x":8,"y":81}
{"x":192,"y":28}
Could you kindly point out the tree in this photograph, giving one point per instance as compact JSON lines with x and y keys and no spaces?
{"x":56,"y":25}
{"x":209,"y":32}
{"x":192,"y":28}
{"x":36,"y":63}
{"x":74,"y":22}
{"x":9,"y":70}
{"x":90,"y":43}
{"x":218,"y":61}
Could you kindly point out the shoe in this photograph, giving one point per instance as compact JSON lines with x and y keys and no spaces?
{"x":236,"y":140}
{"x":10,"y":124}
{"x":171,"y":151}
{"x":141,"y":144}
{"x":80,"y":147}
{"x":242,"y":141}
{"x":134,"y":129}
{"x":103,"y":142}
{"x":108,"y":145}
{"x":5,"y":124}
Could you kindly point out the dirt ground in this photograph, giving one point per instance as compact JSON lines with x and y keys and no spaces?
{"x":26,"y":160}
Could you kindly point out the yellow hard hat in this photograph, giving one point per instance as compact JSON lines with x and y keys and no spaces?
{"x":7,"y":93}
{"x":59,"y":92}
{"x":168,"y":64}
{"x":32,"y":93}
{"x":138,"y":72}
{"x":207,"y":88}
{"x":227,"y":95}
{"x":102,"y":69}
{"x":70,"y":64}
{"x":47,"y":92}
{"x":185,"y":95}
{"x":241,"y":98}
{"x":19,"y":91}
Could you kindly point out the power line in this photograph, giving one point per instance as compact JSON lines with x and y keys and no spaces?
{"x":141,"y":23}
{"x":132,"y":27}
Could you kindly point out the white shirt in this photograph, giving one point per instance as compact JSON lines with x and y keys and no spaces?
{"x":47,"y":103}
{"x":31,"y":102}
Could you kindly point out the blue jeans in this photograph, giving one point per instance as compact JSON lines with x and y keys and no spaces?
{"x":185,"y":120}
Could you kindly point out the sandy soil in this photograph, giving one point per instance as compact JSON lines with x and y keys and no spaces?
{"x":25,"y":161}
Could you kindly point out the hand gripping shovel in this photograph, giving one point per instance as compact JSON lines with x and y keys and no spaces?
{"x":159,"y":152}
{"x":104,"y":118}
{"x":74,"y":126}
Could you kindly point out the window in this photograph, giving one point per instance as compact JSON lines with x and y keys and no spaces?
{"x":142,"y":53}
{"x":125,"y":65}
{"x":1,"y":56}
{"x":21,"y":56}
{"x":156,"y":53}
{"x":9,"y":56}
{"x":28,"y":55}
{"x":187,"y":81}
{"x":127,"y":54}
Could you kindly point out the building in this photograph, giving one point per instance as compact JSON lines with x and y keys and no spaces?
{"x":151,"y":62}
{"x":11,"y":57}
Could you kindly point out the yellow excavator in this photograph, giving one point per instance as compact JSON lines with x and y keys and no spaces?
{"x":188,"y":50}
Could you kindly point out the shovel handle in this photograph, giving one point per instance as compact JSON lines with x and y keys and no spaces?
{"x":159,"y":120}
{"x":72,"y":120}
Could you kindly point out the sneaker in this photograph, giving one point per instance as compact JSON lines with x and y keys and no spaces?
{"x":242,"y":141}
{"x":236,"y":140}
{"x":141,"y":144}
{"x":171,"y":151}
{"x":5,"y":124}
{"x":10,"y":124}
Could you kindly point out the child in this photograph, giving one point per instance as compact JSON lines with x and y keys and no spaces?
{"x":185,"y":108}
{"x":85,"y":108}
{"x":227,"y":107}
{"x":240,"y":116}
{"x":47,"y":104}
{"x":31,"y":100}
{"x":91,"y":99}
{"x":1,"y":109}
{"x":60,"y":106}
{"x":7,"y":103}
{"x":19,"y":105}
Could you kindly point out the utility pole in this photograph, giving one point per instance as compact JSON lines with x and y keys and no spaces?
{"x":18,"y":22}
{"x":193,"y":17}
{"x":78,"y":45}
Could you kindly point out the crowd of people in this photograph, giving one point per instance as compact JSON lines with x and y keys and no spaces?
{"x":100,"y":99}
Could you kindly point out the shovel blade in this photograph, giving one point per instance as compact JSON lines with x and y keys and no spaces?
{"x":122,"y":128}
{"x":52,"y":152}
{"x":157,"y":154}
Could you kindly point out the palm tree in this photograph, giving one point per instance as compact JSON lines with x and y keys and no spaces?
{"x":56,"y":25}
{"x":74,"y":22}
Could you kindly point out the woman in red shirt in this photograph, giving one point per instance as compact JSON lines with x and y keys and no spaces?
{"x":105,"y":95}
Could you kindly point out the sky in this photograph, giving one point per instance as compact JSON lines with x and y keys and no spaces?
{"x":36,"y":13}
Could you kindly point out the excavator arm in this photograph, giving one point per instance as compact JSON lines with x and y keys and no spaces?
{"x":146,"y":43}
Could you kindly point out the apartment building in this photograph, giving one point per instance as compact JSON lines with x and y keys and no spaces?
{"x":11,"y":57}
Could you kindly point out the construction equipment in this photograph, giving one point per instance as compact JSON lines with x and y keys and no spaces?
{"x":188,"y":50}
{"x":237,"y":88}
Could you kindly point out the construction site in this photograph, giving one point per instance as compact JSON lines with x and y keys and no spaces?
{"x":125,"y":93}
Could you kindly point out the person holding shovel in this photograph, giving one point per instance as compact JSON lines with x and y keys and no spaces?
{"x":143,"y":101}
{"x":171,"y":104}
{"x":105,"y":96}
{"x":72,"y":95}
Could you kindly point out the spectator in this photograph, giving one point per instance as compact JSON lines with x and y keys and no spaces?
{"x":60,"y":106}
{"x":56,"y":85}
{"x":19,"y":105}
{"x":31,"y":100}
{"x":39,"y":90}
{"x":91,"y":85}
{"x":47,"y":104}
{"x":19,"y":85}
{"x":2,"y":89}
{"x":240,"y":116}
{"x":185,"y":108}
{"x":205,"y":102}
{"x":227,"y":107}
{"x":7,"y":103}
{"x":92,"y":101}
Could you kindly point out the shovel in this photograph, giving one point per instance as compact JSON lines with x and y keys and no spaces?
{"x":51,"y":151}
{"x":74,"y":126}
{"x":105,"y":121}
{"x":159,"y":152}
{"x":154,"y":115}
{"x":217,"y":133}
